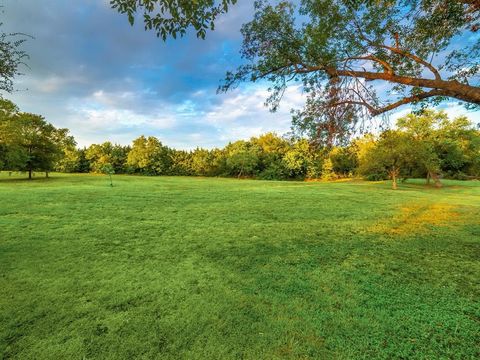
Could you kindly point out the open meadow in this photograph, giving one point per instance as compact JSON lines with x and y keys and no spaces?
{"x":187,"y":268}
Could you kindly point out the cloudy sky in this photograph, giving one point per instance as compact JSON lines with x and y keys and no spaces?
{"x":91,"y":72}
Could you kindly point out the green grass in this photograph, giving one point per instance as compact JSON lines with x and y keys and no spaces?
{"x":193,"y":268}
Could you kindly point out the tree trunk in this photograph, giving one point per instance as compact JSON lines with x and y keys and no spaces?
{"x":393,"y":175}
{"x":46,"y":174}
{"x":30,"y":174}
{"x":436,"y":179}
{"x":394,"y":182}
{"x":428,"y":178}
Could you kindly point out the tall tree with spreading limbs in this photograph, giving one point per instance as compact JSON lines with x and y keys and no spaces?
{"x":356,"y":59}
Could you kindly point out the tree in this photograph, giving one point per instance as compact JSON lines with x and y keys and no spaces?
{"x":391,"y":155}
{"x":297,"y":159}
{"x":149,"y":156}
{"x":67,"y":157}
{"x":174,"y":17}
{"x":28,"y":142}
{"x":242,"y":158}
{"x":181,"y":163}
{"x":338,"y":50}
{"x":99,"y":155}
{"x":83,"y":164}
{"x":441,"y":145}
{"x":421,"y":129}
{"x":10,"y":154}
{"x":108,"y":169}
{"x":343,"y":160}
{"x":272,"y":150}
{"x":342,"y":47}
{"x":201,"y":162}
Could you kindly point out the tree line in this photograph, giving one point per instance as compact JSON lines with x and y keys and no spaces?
{"x":427,"y":144}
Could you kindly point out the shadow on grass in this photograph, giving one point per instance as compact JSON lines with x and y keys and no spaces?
{"x":17,"y":179}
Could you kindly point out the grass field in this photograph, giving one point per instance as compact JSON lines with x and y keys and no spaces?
{"x":193,"y":268}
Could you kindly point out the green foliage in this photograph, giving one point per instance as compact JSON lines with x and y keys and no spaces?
{"x":174,"y":17}
{"x":11,"y":58}
{"x":28,"y":142}
{"x":333,"y":48}
{"x":107,"y":153}
{"x":242,"y":158}
{"x":344,"y":160}
{"x":149,"y":157}
{"x":427,"y":144}
{"x":298,"y":159}
{"x":108,"y":169}
{"x":392,"y":154}
{"x":187,"y":268}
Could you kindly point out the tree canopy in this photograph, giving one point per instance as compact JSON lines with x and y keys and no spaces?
{"x":28,"y":142}
{"x":356,"y":59}
{"x":360,"y":59}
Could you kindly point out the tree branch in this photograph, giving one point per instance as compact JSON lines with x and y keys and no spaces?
{"x":386,"y":66}
{"x":407,"y":100}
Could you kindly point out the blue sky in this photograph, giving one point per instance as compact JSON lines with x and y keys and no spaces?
{"x":91,"y":72}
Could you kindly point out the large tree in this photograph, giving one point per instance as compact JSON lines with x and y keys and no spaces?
{"x":356,"y":59}
{"x":360,"y":59}
{"x":29,"y":143}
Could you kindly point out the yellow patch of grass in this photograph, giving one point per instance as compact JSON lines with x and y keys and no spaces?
{"x":339,"y":180}
{"x":417,"y":218}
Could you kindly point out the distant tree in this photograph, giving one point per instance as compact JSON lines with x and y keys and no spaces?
{"x":457,"y":145}
{"x":441,"y":145}
{"x":28,"y":142}
{"x":83,"y":164}
{"x":67,"y":157}
{"x":362,"y":146}
{"x":344,"y":160}
{"x":421,"y":132}
{"x":301,"y":160}
{"x":119,"y":156}
{"x":242,"y":159}
{"x":69,"y":162}
{"x":201,"y":162}
{"x":10,"y":154}
{"x":149,"y":156}
{"x":391,"y":155}
{"x":181,"y":163}
{"x":99,"y":155}
{"x":272,"y":149}
{"x":328,"y":172}
{"x":108,"y":169}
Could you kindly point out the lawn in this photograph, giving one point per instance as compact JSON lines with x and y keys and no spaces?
{"x":194,"y":268}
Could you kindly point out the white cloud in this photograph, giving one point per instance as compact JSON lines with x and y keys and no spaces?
{"x":242,"y":113}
